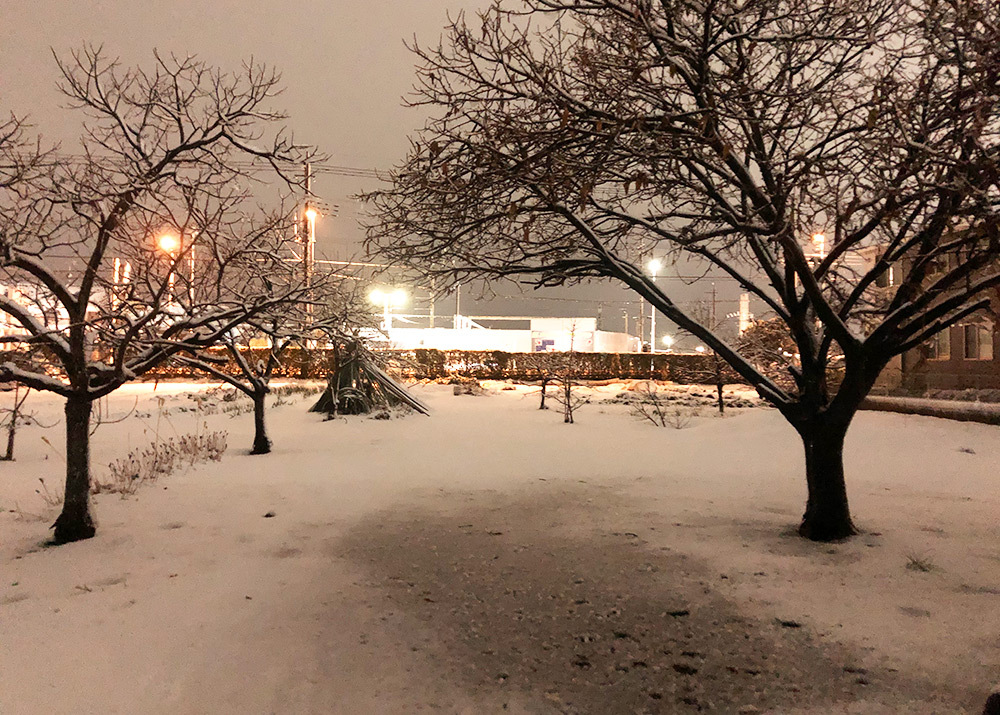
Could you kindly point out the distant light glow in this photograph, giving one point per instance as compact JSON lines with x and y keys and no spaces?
{"x":654,"y":267}
{"x":668,"y":340}
{"x":700,"y":349}
{"x":168,"y":242}
{"x":386,"y":298}
{"x":311,"y":214}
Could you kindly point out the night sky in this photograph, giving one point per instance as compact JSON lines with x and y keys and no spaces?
{"x":345,"y":69}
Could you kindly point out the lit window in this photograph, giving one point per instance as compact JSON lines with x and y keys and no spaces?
{"x":939,"y":347}
{"x":978,"y":341}
{"x":885,"y":279}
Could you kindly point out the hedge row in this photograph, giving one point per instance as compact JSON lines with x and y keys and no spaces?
{"x":488,"y":365}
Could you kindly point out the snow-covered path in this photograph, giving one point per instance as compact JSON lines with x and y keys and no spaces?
{"x":489,"y":555}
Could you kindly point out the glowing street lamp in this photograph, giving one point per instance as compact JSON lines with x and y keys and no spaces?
{"x":700,"y":349}
{"x":654,"y":267}
{"x":171,"y":244}
{"x":168,"y":243}
{"x":668,"y":342}
{"x":819,"y":244}
{"x":388,"y":300}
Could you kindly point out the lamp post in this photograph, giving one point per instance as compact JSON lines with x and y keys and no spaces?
{"x":120,"y":275}
{"x":819,"y":243}
{"x":654,"y":267}
{"x":171,"y":244}
{"x":388,"y":300}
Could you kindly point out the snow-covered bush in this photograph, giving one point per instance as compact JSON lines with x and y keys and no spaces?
{"x":159,"y":459}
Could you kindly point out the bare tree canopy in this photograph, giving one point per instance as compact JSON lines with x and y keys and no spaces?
{"x":334,"y":313}
{"x":576,"y":139}
{"x":143,"y":241}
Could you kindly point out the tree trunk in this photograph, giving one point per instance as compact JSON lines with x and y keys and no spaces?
{"x":75,"y":522}
{"x":567,"y":402}
{"x":545,"y":382}
{"x":719,"y":382}
{"x":827,"y":516}
{"x":261,"y":444}
{"x":11,"y":433}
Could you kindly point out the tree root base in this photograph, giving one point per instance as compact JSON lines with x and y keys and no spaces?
{"x":827,"y":532}
{"x":68,"y":533}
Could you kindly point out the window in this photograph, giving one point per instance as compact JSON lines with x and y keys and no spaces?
{"x":939,"y":347}
{"x":978,"y":341}
{"x":937,"y":266}
{"x":885,"y":279}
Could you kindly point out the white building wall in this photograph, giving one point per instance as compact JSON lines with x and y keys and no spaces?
{"x":607,"y":342}
{"x":513,"y":341}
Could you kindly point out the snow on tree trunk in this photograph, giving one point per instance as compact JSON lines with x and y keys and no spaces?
{"x":827,"y":516}
{"x":261,"y":443}
{"x":75,"y":522}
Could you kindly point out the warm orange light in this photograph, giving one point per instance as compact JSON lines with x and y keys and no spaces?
{"x":168,"y":242}
{"x":311,"y":214}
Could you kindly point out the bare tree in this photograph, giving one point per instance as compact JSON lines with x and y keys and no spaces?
{"x":13,"y":417}
{"x":145,"y":242}
{"x":713,"y":371}
{"x":573,"y":137}
{"x":542,"y":366}
{"x":333,"y":312}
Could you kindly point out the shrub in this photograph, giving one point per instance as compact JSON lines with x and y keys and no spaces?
{"x":159,"y":459}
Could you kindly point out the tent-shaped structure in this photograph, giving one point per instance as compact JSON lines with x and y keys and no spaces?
{"x":359,"y":386}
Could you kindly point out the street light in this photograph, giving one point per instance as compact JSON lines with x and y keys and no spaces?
{"x":170,"y":244}
{"x":700,"y":349}
{"x":819,"y":243}
{"x":668,"y":341}
{"x":388,"y":300}
{"x":654,"y":267}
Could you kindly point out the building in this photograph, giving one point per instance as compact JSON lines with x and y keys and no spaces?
{"x":539,"y":335}
{"x":965,"y":356}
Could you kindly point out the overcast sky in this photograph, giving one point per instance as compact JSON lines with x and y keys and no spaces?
{"x":345,"y":72}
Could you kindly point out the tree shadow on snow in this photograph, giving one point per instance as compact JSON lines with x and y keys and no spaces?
{"x":548,"y":600}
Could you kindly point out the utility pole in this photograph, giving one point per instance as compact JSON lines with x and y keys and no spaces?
{"x":308,"y":228}
{"x":642,"y":320}
{"x":433,"y":300}
{"x":308,"y":243}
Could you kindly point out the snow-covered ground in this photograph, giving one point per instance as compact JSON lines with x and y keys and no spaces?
{"x":489,"y":558}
